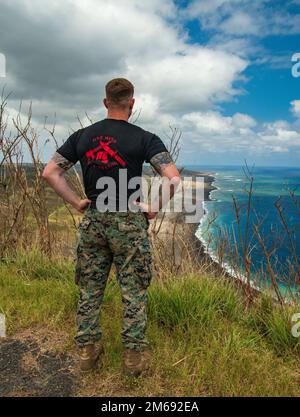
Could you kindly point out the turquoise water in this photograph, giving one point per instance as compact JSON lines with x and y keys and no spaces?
{"x":269,"y":184}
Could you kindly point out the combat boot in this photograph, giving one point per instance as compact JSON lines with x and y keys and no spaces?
{"x":136,"y":362}
{"x":89,"y":356}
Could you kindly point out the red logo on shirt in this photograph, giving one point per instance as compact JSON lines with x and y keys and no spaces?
{"x":103,"y":155}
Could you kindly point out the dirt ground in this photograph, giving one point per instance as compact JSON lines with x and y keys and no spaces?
{"x":38,"y":363}
{"x":30,"y":365}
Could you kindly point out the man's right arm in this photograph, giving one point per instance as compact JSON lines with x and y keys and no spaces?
{"x":164,"y":165}
{"x":54,"y":175}
{"x":166,"y":168}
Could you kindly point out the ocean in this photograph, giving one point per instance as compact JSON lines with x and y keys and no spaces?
{"x":219,"y":226}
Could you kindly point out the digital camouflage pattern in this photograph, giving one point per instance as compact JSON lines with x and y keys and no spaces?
{"x":121,"y":238}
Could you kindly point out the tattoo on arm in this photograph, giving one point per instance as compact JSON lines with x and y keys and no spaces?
{"x":61,"y":161}
{"x":160,"y":161}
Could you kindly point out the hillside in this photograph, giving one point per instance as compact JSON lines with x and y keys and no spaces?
{"x":206,"y":341}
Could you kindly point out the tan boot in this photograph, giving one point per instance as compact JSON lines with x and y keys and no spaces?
{"x":89,"y":356}
{"x":136,"y":362}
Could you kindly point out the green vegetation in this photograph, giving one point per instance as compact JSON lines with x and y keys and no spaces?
{"x":206,"y":341}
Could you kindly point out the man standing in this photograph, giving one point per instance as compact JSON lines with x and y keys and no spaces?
{"x":109,"y":151}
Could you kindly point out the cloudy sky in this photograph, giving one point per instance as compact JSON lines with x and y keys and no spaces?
{"x":220,"y":70}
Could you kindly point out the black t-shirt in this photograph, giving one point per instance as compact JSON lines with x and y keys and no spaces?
{"x":106,"y":148}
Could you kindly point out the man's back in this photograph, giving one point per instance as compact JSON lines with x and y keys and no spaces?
{"x":106,"y":147}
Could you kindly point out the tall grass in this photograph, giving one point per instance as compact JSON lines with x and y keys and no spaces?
{"x":206,"y":339}
{"x":189,"y":301}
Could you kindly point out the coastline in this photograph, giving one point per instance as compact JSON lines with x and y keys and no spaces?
{"x":215,"y":267}
{"x":171,"y":229}
{"x":185,"y":238}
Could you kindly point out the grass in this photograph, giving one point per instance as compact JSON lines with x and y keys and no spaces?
{"x":205,"y":340}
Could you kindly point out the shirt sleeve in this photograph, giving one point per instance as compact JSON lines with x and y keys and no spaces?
{"x":154,"y":145}
{"x":69,"y":149}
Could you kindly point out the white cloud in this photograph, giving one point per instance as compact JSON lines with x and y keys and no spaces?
{"x":63,"y":64}
{"x":245,"y":17}
{"x":243,"y":120}
{"x":209,"y":133}
{"x":239,"y":25}
{"x":279,"y":137}
{"x":212,"y":132}
{"x":295,"y":108}
{"x":193,"y":79}
{"x":211,"y":123}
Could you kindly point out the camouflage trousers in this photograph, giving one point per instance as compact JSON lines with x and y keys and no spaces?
{"x":122,"y":239}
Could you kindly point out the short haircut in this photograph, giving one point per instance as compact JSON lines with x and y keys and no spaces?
{"x":119,"y":91}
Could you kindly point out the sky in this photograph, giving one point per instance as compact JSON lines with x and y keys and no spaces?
{"x":220,"y":71}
